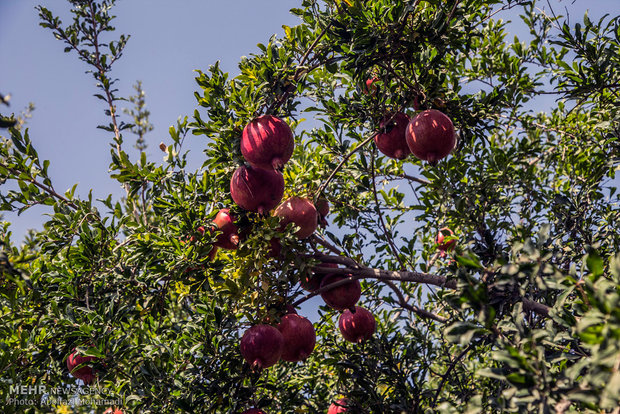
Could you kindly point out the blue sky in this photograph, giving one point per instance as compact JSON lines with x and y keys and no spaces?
{"x":167,"y":43}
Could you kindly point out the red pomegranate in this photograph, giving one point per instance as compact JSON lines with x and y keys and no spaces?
{"x":391,"y":141}
{"x":341,"y":297}
{"x":312,"y":281}
{"x":299,"y":337}
{"x":299,"y":211}
{"x":357,"y":326}
{"x":257,"y":190}
{"x":370,"y":87}
{"x":275,"y":248}
{"x":445,"y":245}
{"x":229,"y":236}
{"x":339,"y":406}
{"x":85,"y":372}
{"x":267,"y":142}
{"x":254,"y":411}
{"x":261,"y":346}
{"x":322,"y":208}
{"x":430,"y":135}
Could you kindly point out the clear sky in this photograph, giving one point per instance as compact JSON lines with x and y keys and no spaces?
{"x":168,"y":41}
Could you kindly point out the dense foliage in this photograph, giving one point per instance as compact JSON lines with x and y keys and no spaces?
{"x":523,"y":316}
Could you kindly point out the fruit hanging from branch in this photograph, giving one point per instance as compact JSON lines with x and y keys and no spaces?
{"x":229,"y":236}
{"x":322,"y":208}
{"x":267,"y":142}
{"x":341,"y":297}
{"x":312,"y":281}
{"x":299,"y":337}
{"x":339,"y":406}
{"x":370,"y":86}
{"x":431,"y":135}
{"x":255,"y":189}
{"x":391,"y":141}
{"x":262,"y":346}
{"x":79,"y":368}
{"x":357,"y":326}
{"x":299,"y":211}
{"x":443,"y":244}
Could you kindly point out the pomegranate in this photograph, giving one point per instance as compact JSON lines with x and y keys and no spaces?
{"x":267,"y":142}
{"x":371,"y":86}
{"x":275,"y":248}
{"x":85,"y":372}
{"x":261,"y":346}
{"x":299,"y":211}
{"x":431,"y":136}
{"x":445,"y":245}
{"x":322,"y":208}
{"x":391,"y":141}
{"x":339,"y":406}
{"x":357,"y":326}
{"x":299,"y":337}
{"x":229,"y":236}
{"x":312,"y":281}
{"x":254,"y":411}
{"x":256,"y":190}
{"x":341,"y":297}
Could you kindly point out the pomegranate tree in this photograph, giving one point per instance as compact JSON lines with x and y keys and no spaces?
{"x":79,"y":368}
{"x":261,"y":346}
{"x":299,"y":337}
{"x":357,"y":326}
{"x":431,"y":135}
{"x":391,"y":141}
{"x":229,"y":236}
{"x":341,"y":297}
{"x":257,"y":190}
{"x":299,"y":211}
{"x":267,"y":142}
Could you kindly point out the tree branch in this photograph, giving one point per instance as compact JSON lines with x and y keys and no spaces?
{"x":418,"y":277}
{"x":46,"y":189}
{"x":402,"y":301}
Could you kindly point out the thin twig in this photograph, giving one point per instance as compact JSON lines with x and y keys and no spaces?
{"x":387,"y":234}
{"x":48,"y":190}
{"x":102,"y":75}
{"x":342,"y":162}
{"x":402,"y":301}
{"x":445,"y":376}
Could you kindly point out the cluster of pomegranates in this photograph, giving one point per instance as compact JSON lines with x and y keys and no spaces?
{"x":430,"y":135}
{"x":267,"y":144}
